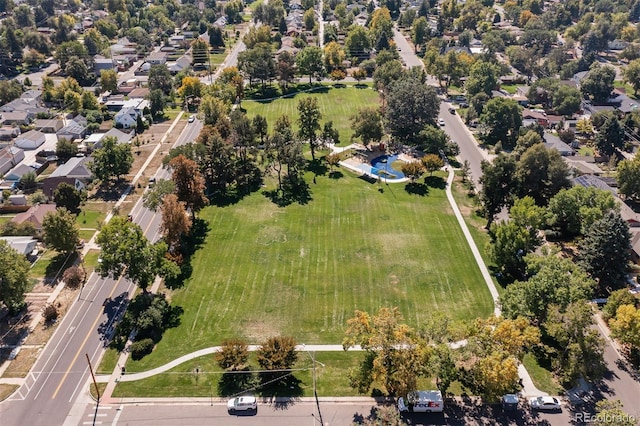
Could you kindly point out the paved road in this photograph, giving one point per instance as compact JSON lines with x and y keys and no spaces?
{"x":303,"y":413}
{"x":406,"y":50}
{"x":459,"y":133}
{"x":61,"y":373}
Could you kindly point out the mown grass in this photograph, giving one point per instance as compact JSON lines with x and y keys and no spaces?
{"x":331,"y":378}
{"x":91,"y":216}
{"x":336,"y":104}
{"x":303,"y":270}
{"x":542,"y":378}
{"x":108,"y":361}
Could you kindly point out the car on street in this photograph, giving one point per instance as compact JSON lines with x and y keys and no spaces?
{"x":545,"y":403}
{"x":242,"y":403}
{"x":452,"y":110}
{"x":441,"y":122}
{"x":192,"y":118}
{"x":421,"y":402}
{"x":509,"y":402}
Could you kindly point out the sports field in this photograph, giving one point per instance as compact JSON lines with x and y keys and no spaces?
{"x":336,"y":104}
{"x":302,"y":270}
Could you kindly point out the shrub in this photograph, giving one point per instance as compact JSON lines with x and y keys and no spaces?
{"x":50,"y":313}
{"x":73,"y":276}
{"x":141,"y":348}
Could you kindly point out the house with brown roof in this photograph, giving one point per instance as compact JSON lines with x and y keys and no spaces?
{"x":34,"y":215}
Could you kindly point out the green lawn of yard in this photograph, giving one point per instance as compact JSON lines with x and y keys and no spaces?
{"x":336,"y":104}
{"x":303,"y":270}
{"x":91,"y":216}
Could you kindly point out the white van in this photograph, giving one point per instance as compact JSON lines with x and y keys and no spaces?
{"x":422,"y":402}
{"x":242,"y":403}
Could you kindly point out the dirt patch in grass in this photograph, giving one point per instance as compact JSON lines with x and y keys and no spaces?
{"x":257,"y":331}
{"x":41,"y":334}
{"x":22,"y":363}
{"x":7,"y":390}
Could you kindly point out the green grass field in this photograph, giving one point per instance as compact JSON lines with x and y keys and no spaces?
{"x":336,"y":104}
{"x":303,"y":270}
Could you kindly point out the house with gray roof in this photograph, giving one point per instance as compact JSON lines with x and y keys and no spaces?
{"x":10,"y":156}
{"x":75,"y":129}
{"x":17,"y":118}
{"x":181,"y":64}
{"x":30,"y":140}
{"x":75,"y":172}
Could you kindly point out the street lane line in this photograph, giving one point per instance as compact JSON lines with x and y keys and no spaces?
{"x":119,"y":411}
{"x":117,"y":283}
{"x":93,"y":355}
{"x":60,"y":341}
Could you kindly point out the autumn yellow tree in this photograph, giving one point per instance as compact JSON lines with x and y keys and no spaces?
{"x":626,"y":325}
{"x":189,"y":182}
{"x":175,"y":221}
{"x":333,"y":56}
{"x":432,"y":162}
{"x":394,"y":354}
{"x":191,"y":87}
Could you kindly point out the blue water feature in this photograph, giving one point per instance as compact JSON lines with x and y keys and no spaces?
{"x":381,"y":166}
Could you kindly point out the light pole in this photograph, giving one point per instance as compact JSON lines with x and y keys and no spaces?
{"x":315,"y":391}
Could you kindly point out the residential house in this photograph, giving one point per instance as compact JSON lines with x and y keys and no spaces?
{"x":75,"y":172}
{"x":30,"y":140}
{"x":553,"y":142}
{"x":17,"y":118}
{"x":181,"y":64}
{"x":94,"y":141}
{"x":9,"y":133}
{"x":23,"y":245}
{"x":127,"y":86}
{"x":530,"y":116}
{"x":10,"y":156}
{"x":48,"y":125}
{"x":18,"y":171}
{"x":127,"y":117}
{"x":617,"y":44}
{"x":34,"y":215}
{"x":179,"y":41}
{"x":102,"y":63}
{"x":139,"y":93}
{"x":123,"y":47}
{"x":75,"y":129}
{"x":156,"y":58}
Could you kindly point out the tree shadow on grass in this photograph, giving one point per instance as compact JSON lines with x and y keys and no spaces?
{"x":360,"y":86}
{"x":59,"y":263}
{"x":435,"y":182}
{"x":281,"y":390}
{"x":294,"y":190}
{"x":367,"y":178}
{"x":336,"y":174}
{"x":190,"y":245}
{"x":417,"y":188}
{"x":318,"y":167}
{"x":236,"y":382}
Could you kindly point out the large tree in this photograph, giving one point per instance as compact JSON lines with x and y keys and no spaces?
{"x":61,"y":232}
{"x":109,"y":81}
{"x":112,"y":160}
{"x":309,"y":123}
{"x":483,"y":77}
{"x":14,"y":277}
{"x":553,"y":281}
{"x":502,"y":118}
{"x":175,"y":221}
{"x":629,"y":178}
{"x":367,"y":125}
{"x":497,"y":183}
{"x":66,"y":196}
{"x":573,"y":210}
{"x":284,"y":151}
{"x":611,"y":135}
{"x":392,"y":352}
{"x":152,"y":198}
{"x":160,"y":78}
{"x":310,"y":62}
{"x":541,"y":173}
{"x":605,"y":251}
{"x":598,"y":84}
{"x":126,"y":251}
{"x":189,"y":183}
{"x":410,"y":106}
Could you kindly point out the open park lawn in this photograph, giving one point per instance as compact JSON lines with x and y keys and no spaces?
{"x":302,"y":270}
{"x":336,"y":104}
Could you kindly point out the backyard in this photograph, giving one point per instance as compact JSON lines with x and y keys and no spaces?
{"x":302,"y":270}
{"x":336,"y":104}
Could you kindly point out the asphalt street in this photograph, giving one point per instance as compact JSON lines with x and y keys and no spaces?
{"x":305,"y":413}
{"x":61,"y":372}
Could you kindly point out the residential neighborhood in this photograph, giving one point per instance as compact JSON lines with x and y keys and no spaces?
{"x":313,"y":211}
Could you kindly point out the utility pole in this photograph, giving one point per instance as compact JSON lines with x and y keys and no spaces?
{"x":315,"y":390}
{"x":93,"y":376}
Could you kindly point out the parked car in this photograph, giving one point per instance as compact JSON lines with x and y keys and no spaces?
{"x":242,"y":403}
{"x":440,"y":122}
{"x":509,"y":402}
{"x":421,"y":402}
{"x":545,"y":403}
{"x":192,"y":118}
{"x":452,"y":110}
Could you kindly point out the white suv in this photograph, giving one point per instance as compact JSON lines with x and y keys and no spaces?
{"x":242,"y":403}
